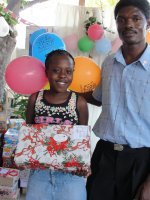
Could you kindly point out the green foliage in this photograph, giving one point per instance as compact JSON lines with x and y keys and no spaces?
{"x":93,"y":20}
{"x":90,"y":21}
{"x":8,"y":17}
{"x":10,"y":20}
{"x":19,"y":105}
{"x":23,"y":3}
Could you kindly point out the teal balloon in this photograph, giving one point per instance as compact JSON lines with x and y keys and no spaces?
{"x":85,"y":44}
{"x":103,"y":46}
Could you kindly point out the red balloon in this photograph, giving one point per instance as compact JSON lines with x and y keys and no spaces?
{"x":25,"y":75}
{"x":95,"y":32}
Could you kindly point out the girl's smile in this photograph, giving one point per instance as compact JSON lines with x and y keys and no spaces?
{"x":60,"y":73}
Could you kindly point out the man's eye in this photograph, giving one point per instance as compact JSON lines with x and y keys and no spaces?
{"x":136,"y":19}
{"x":120,"y":20}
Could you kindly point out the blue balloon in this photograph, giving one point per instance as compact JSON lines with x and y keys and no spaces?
{"x":46,"y":43}
{"x":103,"y":46}
{"x":33,"y":36}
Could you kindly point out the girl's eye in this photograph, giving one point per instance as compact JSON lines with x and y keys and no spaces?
{"x":55,"y":70}
{"x":69,"y":71}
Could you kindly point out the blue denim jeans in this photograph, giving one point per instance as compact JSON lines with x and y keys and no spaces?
{"x":52,"y":185}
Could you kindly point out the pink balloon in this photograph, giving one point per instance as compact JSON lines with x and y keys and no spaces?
{"x":95,"y":32}
{"x":25,"y":75}
{"x":71,"y":42}
{"x":116,"y":43}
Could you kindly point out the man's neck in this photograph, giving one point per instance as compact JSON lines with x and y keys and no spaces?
{"x":131,"y":53}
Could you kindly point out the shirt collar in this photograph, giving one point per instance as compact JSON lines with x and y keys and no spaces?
{"x":119,"y":57}
{"x":144,"y":59}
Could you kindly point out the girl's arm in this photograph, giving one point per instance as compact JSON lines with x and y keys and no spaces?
{"x":30,"y":109}
{"x":83,"y":111}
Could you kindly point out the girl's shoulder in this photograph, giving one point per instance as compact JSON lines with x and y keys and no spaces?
{"x":78,"y":96}
{"x":33,"y":97}
{"x":80,"y":100}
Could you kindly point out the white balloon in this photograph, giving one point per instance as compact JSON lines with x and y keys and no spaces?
{"x":4,"y":27}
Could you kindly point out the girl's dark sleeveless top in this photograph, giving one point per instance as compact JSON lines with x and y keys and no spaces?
{"x":64,"y":114}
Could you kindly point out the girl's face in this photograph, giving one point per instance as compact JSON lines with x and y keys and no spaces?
{"x":60,"y":73}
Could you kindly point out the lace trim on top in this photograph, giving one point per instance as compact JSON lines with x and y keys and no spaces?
{"x":66,"y":111}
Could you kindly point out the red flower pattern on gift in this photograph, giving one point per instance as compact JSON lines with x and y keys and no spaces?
{"x":54,"y":146}
{"x":73,"y":163}
{"x":34,"y":164}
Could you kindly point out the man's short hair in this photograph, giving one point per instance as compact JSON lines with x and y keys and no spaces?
{"x":142,"y":5}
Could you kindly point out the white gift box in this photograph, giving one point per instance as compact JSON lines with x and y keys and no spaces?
{"x":8,"y":176}
{"x":58,"y":147}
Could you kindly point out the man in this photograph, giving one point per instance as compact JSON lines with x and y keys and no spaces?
{"x":121,"y":161}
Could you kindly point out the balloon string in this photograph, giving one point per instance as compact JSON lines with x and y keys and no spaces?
{"x":16,"y":17}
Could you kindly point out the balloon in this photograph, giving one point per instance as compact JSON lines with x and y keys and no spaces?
{"x":71,"y":42}
{"x":33,"y":36}
{"x":116,"y":43}
{"x":85,"y":44}
{"x":148,"y":37}
{"x":4,"y":27}
{"x":103,"y":46}
{"x":46,"y":43}
{"x":86,"y":75}
{"x":95,"y":32}
{"x":25,"y":75}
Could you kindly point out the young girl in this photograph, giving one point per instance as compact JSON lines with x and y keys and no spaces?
{"x":57,"y":106}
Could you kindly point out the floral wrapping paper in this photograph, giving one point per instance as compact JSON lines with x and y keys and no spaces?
{"x":8,"y":177}
{"x":8,"y":192}
{"x":58,"y":147}
{"x":15,"y":196}
{"x":10,"y":143}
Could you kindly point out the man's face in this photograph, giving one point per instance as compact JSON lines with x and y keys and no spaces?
{"x":131,"y":25}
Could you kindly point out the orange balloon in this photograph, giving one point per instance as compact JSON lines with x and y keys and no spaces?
{"x":86,"y":75}
{"x":148,"y":37}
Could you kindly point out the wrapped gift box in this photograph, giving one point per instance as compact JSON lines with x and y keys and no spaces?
{"x":10,"y":143}
{"x":11,"y":137}
{"x":8,"y":177}
{"x":58,"y":147}
{"x":15,"y":123}
{"x":15,"y":196}
{"x":9,"y":192}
